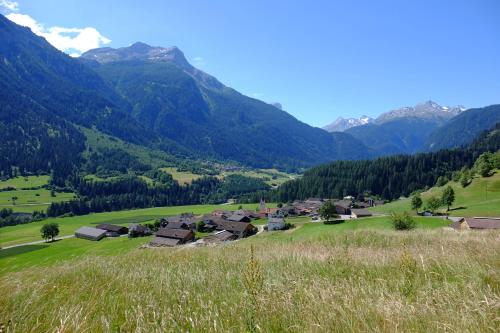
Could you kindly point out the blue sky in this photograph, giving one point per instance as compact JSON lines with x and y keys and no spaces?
{"x":320,"y":59}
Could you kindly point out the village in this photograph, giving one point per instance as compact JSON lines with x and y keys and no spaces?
{"x":226,"y":225}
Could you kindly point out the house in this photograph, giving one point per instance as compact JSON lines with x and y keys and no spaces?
{"x":220,"y":236}
{"x":247,"y":212}
{"x":343,"y":207}
{"x":163,"y":241}
{"x":113,"y":230}
{"x":477,"y":223}
{"x":360,"y":212}
{"x":89,"y":233}
{"x":239,"y":218}
{"x":138,"y":230}
{"x":360,"y":204}
{"x":275,"y":223}
{"x":178,"y":225}
{"x":222,"y":213}
{"x":172,"y":237}
{"x":187,"y":220}
{"x":237,"y":228}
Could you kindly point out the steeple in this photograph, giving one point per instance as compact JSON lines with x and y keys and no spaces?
{"x":262,"y":205}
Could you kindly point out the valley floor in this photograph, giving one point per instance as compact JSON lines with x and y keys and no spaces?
{"x":356,"y":276}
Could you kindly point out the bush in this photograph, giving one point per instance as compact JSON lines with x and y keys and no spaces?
{"x":403,"y":221}
{"x":200,"y":226}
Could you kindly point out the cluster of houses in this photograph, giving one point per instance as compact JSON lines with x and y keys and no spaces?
{"x":223,"y":225}
{"x":349,"y":207}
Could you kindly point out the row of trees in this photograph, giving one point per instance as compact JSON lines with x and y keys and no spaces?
{"x":434,"y":202}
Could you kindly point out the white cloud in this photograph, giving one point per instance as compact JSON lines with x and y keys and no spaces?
{"x":8,"y":5}
{"x":257,"y":95}
{"x":73,"y":41}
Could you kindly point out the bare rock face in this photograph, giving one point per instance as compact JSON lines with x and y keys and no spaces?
{"x":427,"y":110}
{"x":342,"y":124}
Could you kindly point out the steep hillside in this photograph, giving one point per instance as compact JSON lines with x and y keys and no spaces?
{"x":398,"y":136}
{"x":464,"y":128}
{"x":387,"y":177}
{"x":43,"y":93}
{"x":480,"y":198}
{"x":178,"y":102}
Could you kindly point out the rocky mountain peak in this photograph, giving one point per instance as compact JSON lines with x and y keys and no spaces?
{"x":342,"y":124}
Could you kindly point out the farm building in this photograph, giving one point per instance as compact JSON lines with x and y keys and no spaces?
{"x":477,"y":223}
{"x":239,"y":218}
{"x":360,"y":212}
{"x":113,"y":230}
{"x":164,"y":241}
{"x":220,"y":236}
{"x":237,"y":228}
{"x":172,"y":237}
{"x":138,"y":230}
{"x":343,"y":207}
{"x":187,"y":218}
{"x":89,"y":233}
{"x":180,"y":225}
{"x":275,"y":223}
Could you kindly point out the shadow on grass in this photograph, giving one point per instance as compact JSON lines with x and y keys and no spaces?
{"x":458,"y":208}
{"x":4,"y":253}
{"x":334,"y":222}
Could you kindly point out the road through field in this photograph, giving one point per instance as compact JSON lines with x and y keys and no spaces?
{"x":37,"y":242}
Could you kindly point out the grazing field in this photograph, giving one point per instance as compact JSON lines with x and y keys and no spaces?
{"x":25,"y":233}
{"x":271,"y":177}
{"x":357,"y":276}
{"x":29,"y":195}
{"x":25,"y":182}
{"x":480,"y":198}
{"x":182,"y":177}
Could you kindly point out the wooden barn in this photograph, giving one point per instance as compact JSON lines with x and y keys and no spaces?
{"x":90,"y":233}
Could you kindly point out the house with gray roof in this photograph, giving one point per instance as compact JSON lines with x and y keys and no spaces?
{"x":90,"y":233}
{"x":476,"y":223}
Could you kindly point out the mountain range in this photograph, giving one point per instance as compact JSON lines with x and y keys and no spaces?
{"x":423,"y":127}
{"x":53,"y":107}
{"x":148,"y":96}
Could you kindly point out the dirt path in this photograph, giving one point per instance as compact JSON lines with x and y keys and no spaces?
{"x":37,"y":242}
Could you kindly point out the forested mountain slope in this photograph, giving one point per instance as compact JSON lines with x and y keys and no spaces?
{"x":387,"y":177}
{"x":176,"y":101}
{"x":463,"y":128}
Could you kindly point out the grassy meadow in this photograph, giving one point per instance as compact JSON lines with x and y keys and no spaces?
{"x":30,"y":194}
{"x":356,"y":276}
{"x":480,"y":198}
{"x":271,"y":177}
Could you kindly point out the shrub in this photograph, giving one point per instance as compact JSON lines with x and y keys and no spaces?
{"x":403,"y":221}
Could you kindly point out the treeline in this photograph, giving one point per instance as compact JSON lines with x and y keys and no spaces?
{"x":387,"y":177}
{"x":9,"y":218}
{"x":133,"y":192}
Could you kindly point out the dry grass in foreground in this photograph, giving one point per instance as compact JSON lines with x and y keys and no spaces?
{"x":363,"y":281}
